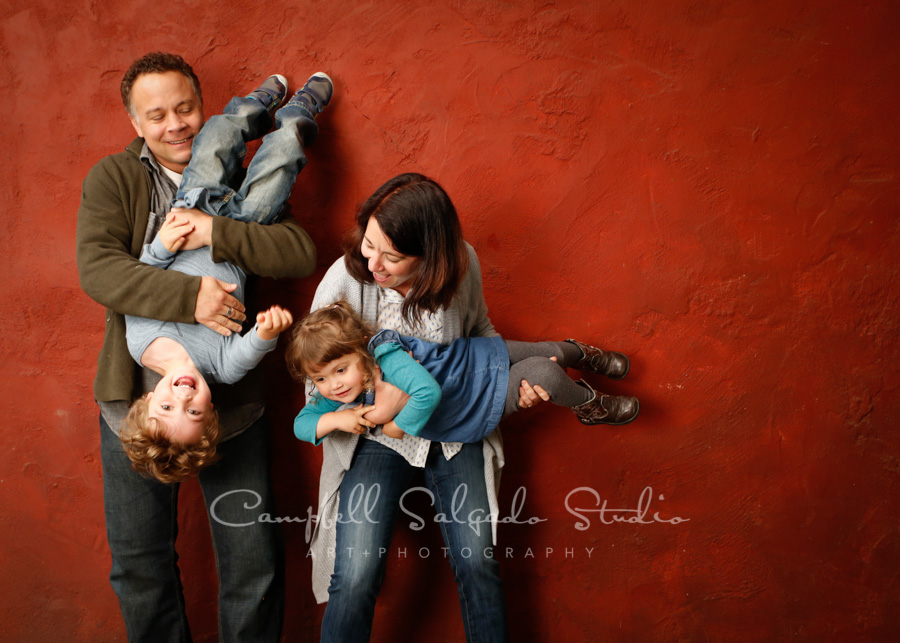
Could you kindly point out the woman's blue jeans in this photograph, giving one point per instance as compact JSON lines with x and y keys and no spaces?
{"x":363,"y":539}
{"x":142,"y":524}
{"x":218,"y":153}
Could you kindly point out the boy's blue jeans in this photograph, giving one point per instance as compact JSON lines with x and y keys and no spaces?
{"x":364,"y":540}
{"x":142,"y":525}
{"x":219,"y":150}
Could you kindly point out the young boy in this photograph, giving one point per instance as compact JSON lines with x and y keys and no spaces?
{"x":172,"y":432}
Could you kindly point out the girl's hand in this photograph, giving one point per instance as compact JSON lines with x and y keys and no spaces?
{"x":352,"y":420}
{"x":174,"y":232}
{"x":272,"y":322}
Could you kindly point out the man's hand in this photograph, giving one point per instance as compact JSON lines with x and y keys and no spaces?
{"x":201,"y":233}
{"x":271,"y":322}
{"x":389,"y":401}
{"x":216,"y":308}
{"x":174,"y":232}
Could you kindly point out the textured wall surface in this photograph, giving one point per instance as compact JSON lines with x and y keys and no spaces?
{"x":712,"y":187}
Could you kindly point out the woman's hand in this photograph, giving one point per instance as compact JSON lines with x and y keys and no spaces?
{"x":393,"y":431}
{"x":531,"y":395}
{"x":389,"y":401}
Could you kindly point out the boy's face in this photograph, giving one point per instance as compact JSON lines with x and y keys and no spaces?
{"x":342,"y":379}
{"x":181,"y":401}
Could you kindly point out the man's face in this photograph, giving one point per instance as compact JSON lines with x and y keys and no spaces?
{"x":168,"y":115}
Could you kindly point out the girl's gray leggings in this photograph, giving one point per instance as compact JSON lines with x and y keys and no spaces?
{"x":530,"y":361}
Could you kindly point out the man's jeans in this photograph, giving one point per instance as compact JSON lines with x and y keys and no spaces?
{"x":363,"y":541}
{"x":218,"y":152}
{"x":141,"y":526}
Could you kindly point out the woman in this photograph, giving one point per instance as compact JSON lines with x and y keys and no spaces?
{"x":407,"y":267}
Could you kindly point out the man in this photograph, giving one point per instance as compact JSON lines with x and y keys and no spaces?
{"x":124,"y":201}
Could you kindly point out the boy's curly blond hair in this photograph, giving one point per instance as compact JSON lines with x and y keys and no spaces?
{"x":154,"y":455}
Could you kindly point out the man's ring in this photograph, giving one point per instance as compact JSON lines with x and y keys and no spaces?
{"x":228,"y":313}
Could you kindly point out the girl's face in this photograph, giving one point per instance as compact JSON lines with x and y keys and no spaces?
{"x":389,"y":268}
{"x":341,"y":380}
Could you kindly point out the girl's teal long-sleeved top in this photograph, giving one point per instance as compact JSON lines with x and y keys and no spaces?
{"x":404,"y":372}
{"x":457,"y":392}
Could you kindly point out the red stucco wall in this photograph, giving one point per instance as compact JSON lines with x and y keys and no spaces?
{"x":709,"y":186}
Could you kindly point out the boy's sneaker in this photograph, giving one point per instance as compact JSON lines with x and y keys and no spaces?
{"x":315,"y":95}
{"x":272,"y":92}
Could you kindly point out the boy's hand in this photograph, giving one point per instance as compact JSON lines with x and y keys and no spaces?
{"x":271,"y":322}
{"x":174,"y":232}
{"x":201,"y":227}
{"x":352,"y":420}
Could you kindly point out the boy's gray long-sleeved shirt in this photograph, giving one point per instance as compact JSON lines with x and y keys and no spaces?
{"x":220,"y":359}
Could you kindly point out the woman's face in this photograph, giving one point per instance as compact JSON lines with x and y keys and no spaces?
{"x":389,"y":268}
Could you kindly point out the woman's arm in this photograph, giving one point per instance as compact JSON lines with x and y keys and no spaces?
{"x":391,"y":401}
{"x":475,"y":321}
{"x":404,"y":372}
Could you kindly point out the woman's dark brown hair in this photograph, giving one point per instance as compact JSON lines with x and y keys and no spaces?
{"x":419,"y":219}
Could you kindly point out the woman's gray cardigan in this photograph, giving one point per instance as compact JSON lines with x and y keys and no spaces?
{"x":465,"y":317}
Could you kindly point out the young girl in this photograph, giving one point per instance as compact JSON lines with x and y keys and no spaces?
{"x":472,"y":384}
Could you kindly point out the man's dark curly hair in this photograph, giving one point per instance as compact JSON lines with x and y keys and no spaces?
{"x":156,"y":62}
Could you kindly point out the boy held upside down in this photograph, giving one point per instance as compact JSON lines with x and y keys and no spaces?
{"x":172,"y":432}
{"x":457,"y":393}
